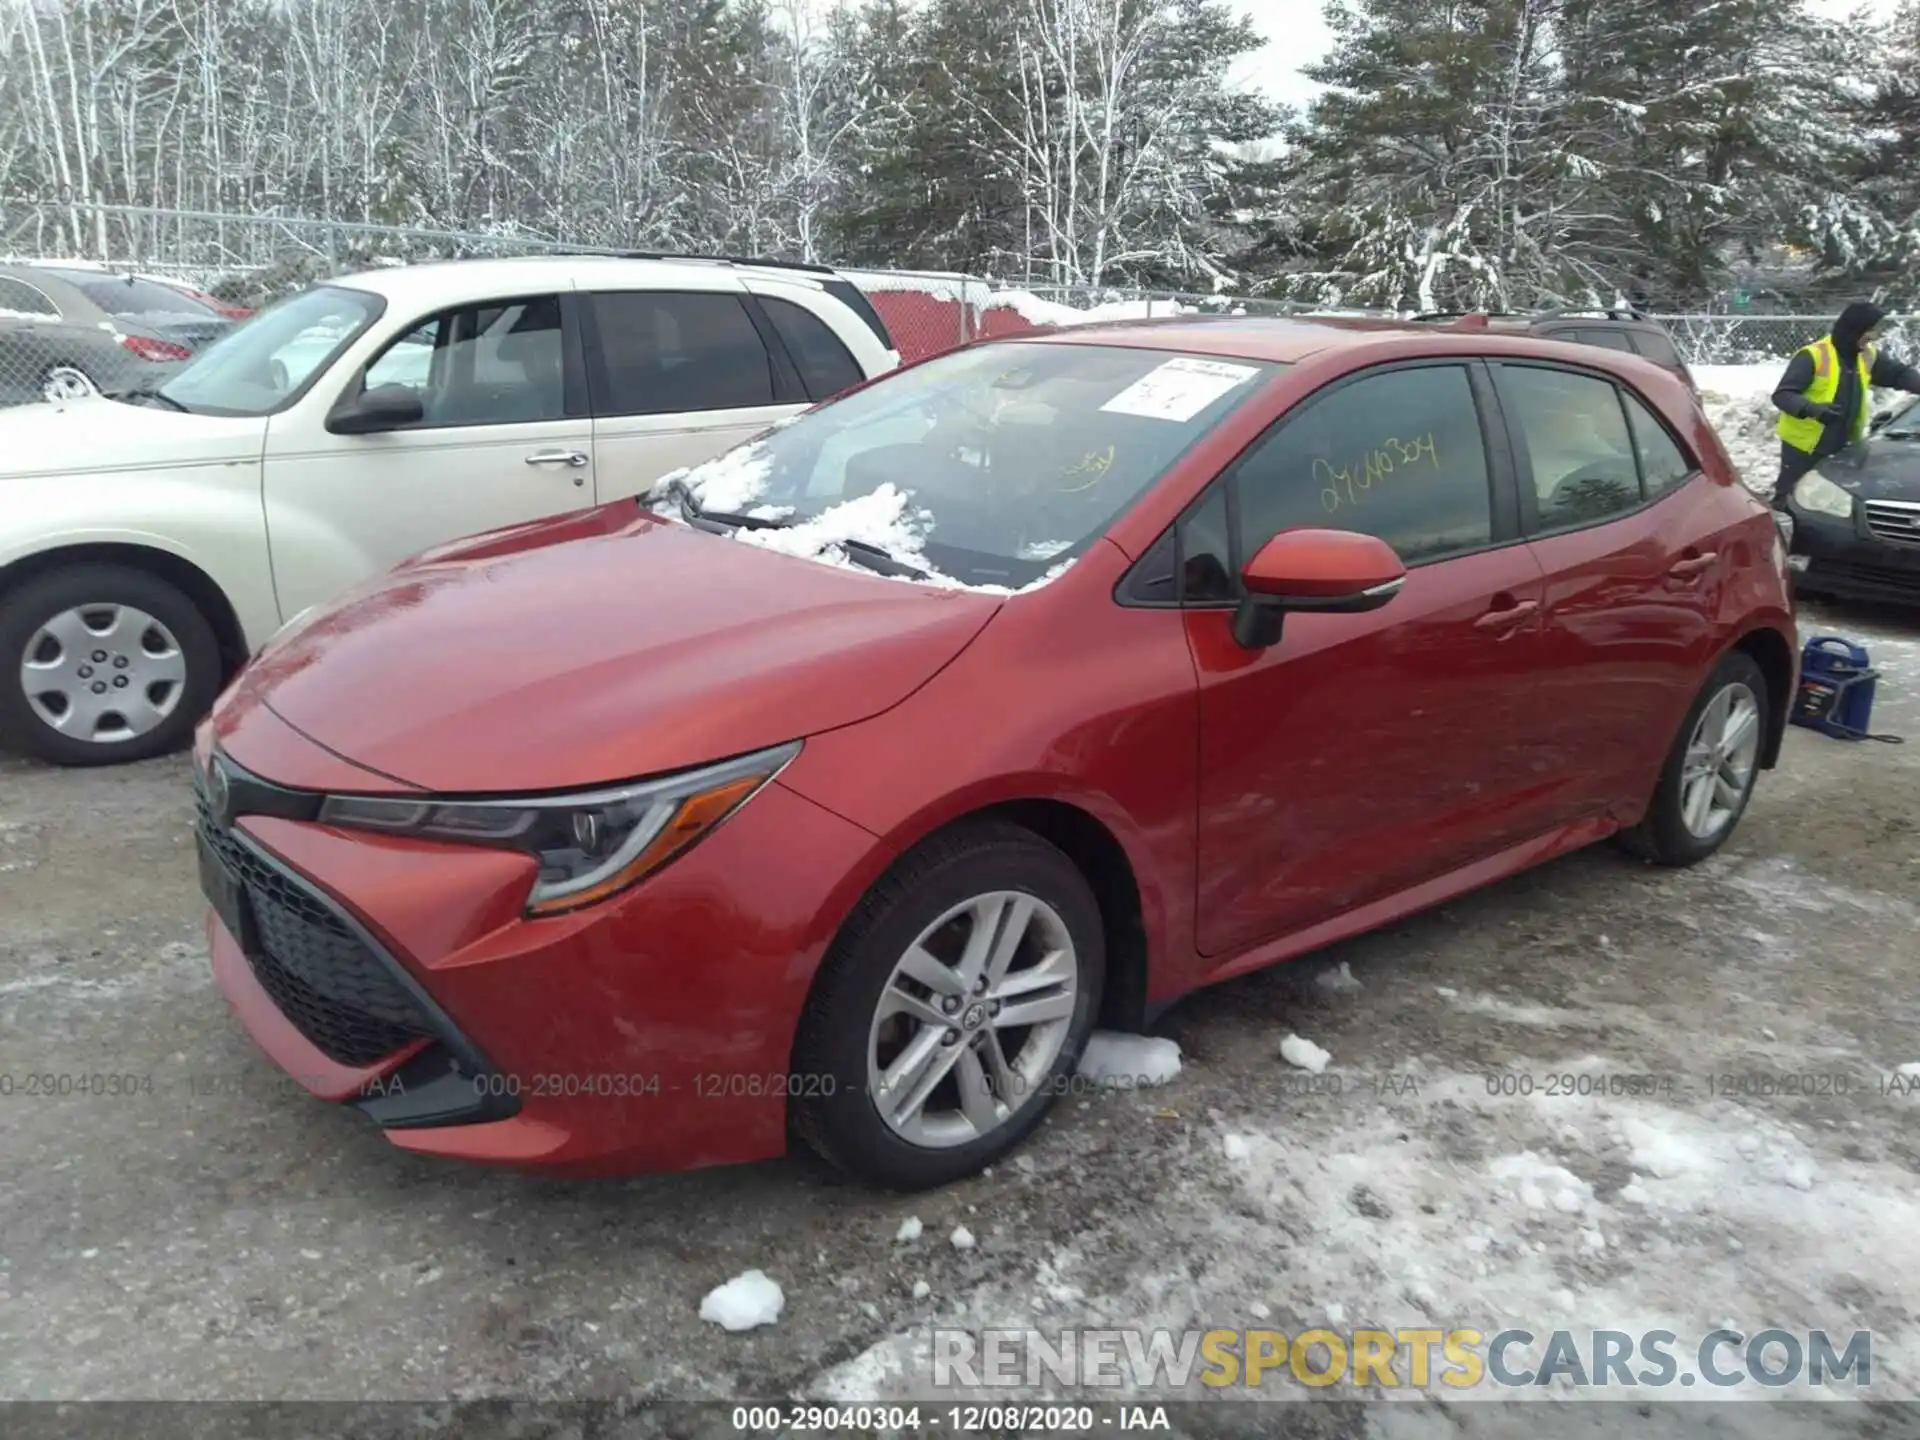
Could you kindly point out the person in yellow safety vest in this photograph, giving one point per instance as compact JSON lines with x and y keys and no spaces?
{"x":1823,"y":398}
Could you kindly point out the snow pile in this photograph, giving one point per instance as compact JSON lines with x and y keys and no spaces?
{"x":1037,"y":311}
{"x":962,"y":1238}
{"x":1126,"y":1061}
{"x":1738,"y":401}
{"x":747,"y":1300}
{"x":1539,"y":1183}
{"x":909,"y":1231}
{"x":730,"y":481}
{"x":1341,"y":981}
{"x":1301,"y":1052}
{"x":884,"y":519}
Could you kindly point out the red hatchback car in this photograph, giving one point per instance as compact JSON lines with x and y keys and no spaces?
{"x":842,"y":787}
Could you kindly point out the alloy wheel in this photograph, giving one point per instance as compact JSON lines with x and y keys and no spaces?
{"x":1718,"y":769}
{"x":972,"y":1019}
{"x":103,"y":673}
{"x":67,"y":382}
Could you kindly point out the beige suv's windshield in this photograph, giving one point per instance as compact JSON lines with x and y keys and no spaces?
{"x":261,"y":365}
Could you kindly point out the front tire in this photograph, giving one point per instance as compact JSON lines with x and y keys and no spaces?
{"x":950,"y":1010}
{"x":101,"y":664}
{"x":1710,"y":772}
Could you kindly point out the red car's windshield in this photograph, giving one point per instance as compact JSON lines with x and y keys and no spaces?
{"x":990,"y":466}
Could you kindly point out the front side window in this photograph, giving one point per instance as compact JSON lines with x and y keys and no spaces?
{"x":1577,"y":441}
{"x":499,"y":363}
{"x":669,"y":354}
{"x":1397,"y":455}
{"x":19,"y":298}
{"x":258,"y":367}
{"x":990,"y":467}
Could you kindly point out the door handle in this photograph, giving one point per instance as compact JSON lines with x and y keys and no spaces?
{"x":572,"y":459}
{"x":1506,"y":617}
{"x":1693,"y":565}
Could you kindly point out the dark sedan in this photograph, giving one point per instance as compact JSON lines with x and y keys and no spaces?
{"x":1856,"y":532}
{"x":69,"y":331}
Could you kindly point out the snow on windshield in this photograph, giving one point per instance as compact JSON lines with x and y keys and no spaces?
{"x":885,"y":519}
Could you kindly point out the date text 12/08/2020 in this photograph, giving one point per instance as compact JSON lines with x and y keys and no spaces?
{"x":1007,"y":1419}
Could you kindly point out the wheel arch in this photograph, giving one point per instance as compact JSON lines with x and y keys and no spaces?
{"x":1774,"y":654}
{"x":1094,"y":849}
{"x":198,"y":586}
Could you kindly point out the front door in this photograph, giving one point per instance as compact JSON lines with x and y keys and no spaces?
{"x":505,"y":438}
{"x":1366,"y":753}
{"x":677,"y":377}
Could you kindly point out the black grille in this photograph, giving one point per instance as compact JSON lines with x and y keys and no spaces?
{"x":325,"y":980}
{"x":1895,"y":520}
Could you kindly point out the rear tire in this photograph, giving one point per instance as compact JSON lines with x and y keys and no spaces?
{"x":992,"y":1077}
{"x":1709,"y":774}
{"x":66,"y":382}
{"x":160,"y":674}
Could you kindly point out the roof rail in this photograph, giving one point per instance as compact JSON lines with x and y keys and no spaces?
{"x":757,"y":261}
{"x":1610,"y":312}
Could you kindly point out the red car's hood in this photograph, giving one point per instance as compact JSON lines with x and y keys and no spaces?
{"x":598,"y":648}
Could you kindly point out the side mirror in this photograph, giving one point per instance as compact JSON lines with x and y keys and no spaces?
{"x":385,"y":407}
{"x":1330,"y":571}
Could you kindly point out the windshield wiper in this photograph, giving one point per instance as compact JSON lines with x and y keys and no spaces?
{"x":872,"y":557}
{"x":149,"y":392}
{"x":677,"y":491}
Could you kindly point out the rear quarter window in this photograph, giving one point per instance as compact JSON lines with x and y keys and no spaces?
{"x":1657,"y":348}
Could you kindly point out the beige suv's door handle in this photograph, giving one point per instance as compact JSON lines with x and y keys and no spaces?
{"x":574,"y":458}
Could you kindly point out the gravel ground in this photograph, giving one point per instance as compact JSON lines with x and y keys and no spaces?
{"x":224,"y":1236}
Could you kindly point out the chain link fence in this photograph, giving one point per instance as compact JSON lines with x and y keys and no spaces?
{"x":112,"y":297}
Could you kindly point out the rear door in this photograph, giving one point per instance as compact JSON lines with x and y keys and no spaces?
{"x":1365,"y":753}
{"x":1626,"y":532}
{"x":677,"y":377}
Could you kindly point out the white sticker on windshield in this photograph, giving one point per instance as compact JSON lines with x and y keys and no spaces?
{"x":1179,"y":389}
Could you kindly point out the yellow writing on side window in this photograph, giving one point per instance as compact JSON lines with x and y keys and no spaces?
{"x":1346,"y":485}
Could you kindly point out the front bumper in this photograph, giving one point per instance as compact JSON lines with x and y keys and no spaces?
{"x":1854,"y":559}
{"x":652,"y":1032}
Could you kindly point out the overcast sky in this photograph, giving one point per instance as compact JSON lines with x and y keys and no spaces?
{"x":1296,"y":32}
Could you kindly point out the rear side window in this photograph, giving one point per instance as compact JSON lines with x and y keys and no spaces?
{"x":1664,"y":465}
{"x":668,"y":354}
{"x":826,"y":366}
{"x":1657,"y":348}
{"x":19,"y":298}
{"x":1398,"y":455}
{"x":1577,"y":443}
{"x":127,"y":297}
{"x":1606,"y":339}
{"x":855,"y":299}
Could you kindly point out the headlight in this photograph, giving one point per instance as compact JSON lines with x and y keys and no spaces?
{"x":590,"y":846}
{"x":1817,"y":493}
